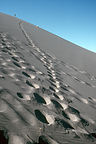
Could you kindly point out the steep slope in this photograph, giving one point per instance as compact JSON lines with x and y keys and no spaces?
{"x":47,"y":86}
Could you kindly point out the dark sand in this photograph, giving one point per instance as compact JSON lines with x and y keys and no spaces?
{"x":47,"y":87}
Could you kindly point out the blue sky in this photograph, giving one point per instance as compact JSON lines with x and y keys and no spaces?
{"x":73,"y":20}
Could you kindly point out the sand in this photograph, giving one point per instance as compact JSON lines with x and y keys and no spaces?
{"x":47,"y":87}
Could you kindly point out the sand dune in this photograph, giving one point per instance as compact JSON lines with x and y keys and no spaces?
{"x":47,"y":87}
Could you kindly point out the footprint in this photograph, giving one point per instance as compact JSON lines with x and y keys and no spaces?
{"x":84,"y":122}
{"x":25,"y":74}
{"x":16,"y":64}
{"x":8,"y":48}
{"x":15,"y":59}
{"x":4,"y":44}
{"x":19,"y":95}
{"x":88,"y":84}
{"x":5,"y":51}
{"x":10,"y":53}
{"x":32,"y":70}
{"x":65,"y":115}
{"x":50,"y":75}
{"x":2,"y":77}
{"x":64,"y":88}
{"x":57,"y":104}
{"x":4,"y":71}
{"x":29,"y":83}
{"x":39,"y":99}
{"x":51,"y":88}
{"x":46,"y":91}
{"x":68,"y":100}
{"x":40,"y":117}
{"x":90,"y":98}
{"x":49,"y":72}
{"x":59,"y":79}
{"x":53,"y":84}
{"x":63,"y":123}
{"x":51,"y":79}
{"x":55,"y":95}
{"x":73,"y":110}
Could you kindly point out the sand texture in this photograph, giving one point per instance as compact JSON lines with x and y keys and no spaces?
{"x":47,"y":87}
